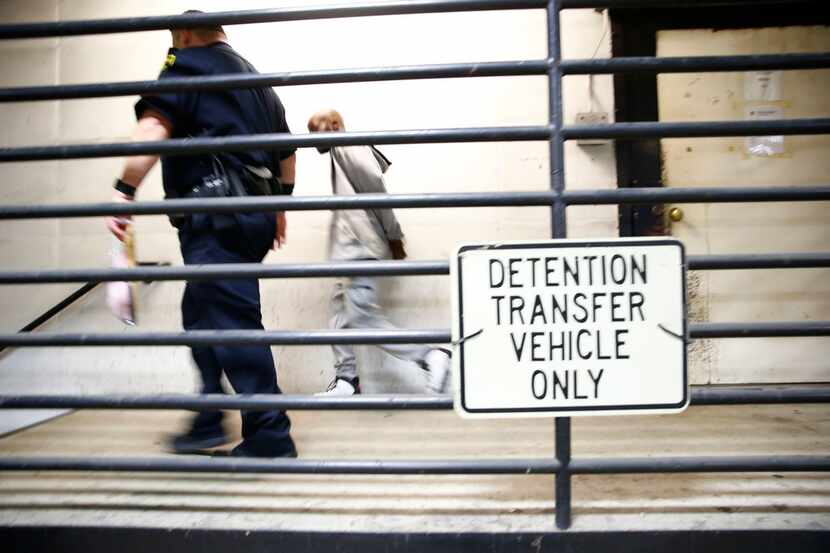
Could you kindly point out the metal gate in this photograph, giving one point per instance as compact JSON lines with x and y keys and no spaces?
{"x":562,"y":465}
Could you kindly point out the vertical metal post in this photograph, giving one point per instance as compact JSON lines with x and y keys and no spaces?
{"x":559,"y":230}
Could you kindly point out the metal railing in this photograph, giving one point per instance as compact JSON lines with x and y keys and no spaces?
{"x":558,"y":198}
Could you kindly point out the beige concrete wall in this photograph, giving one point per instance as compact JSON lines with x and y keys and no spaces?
{"x":793,"y":295}
{"x":288,"y":304}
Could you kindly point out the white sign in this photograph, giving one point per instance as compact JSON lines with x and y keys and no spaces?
{"x":570,"y":328}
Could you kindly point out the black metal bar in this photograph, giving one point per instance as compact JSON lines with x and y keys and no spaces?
{"x":758,"y":261}
{"x":694,"y":195}
{"x":597,"y":4}
{"x":240,"y":17}
{"x":642,"y":465}
{"x":695,"y":64}
{"x":759,"y":395}
{"x":196,"y":338}
{"x":776,"y":329}
{"x":411,"y":72}
{"x":649,"y":465}
{"x":700,"y":396}
{"x":182,"y":146}
{"x":559,"y":229}
{"x":282,"y":466}
{"x":294,"y":78}
{"x":647,"y":129}
{"x":363,"y":268}
{"x":563,"y":477}
{"x":282,"y":203}
{"x":272,"y":141}
{"x":210,"y":402}
{"x":231,"y":271}
{"x":410,"y":201}
{"x":328,"y":337}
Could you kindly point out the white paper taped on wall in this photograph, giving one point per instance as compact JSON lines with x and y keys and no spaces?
{"x":762,"y":86}
{"x":764,"y":146}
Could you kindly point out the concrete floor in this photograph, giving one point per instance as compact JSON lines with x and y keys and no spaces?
{"x":509,"y":503}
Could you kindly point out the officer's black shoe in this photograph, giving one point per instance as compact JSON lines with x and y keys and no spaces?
{"x":246,"y":449}
{"x":197,"y":442}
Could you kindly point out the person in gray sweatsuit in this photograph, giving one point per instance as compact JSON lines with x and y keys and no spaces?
{"x":365,"y":235}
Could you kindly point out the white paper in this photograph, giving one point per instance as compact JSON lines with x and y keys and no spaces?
{"x":120,"y":295}
{"x":762,"y":86}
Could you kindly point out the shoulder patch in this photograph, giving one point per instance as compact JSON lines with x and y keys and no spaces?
{"x":168,"y":63}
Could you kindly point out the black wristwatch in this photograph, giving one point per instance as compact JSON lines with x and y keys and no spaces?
{"x":279,"y":188}
{"x":124,"y":188}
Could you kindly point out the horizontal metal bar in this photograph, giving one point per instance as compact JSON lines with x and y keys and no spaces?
{"x":282,"y":203}
{"x":775,"y":329}
{"x":760,"y":395}
{"x":700,"y":396}
{"x":597,"y":4}
{"x":189,"y":146}
{"x":281,"y":466}
{"x":273,"y":141}
{"x":231,"y":271}
{"x":713,"y":194}
{"x":409,"y":201}
{"x":693,"y":64}
{"x":294,"y":78}
{"x":757,"y":261}
{"x":410,"y":72}
{"x":651,"y":129}
{"x":328,"y":337}
{"x":162,"y":22}
{"x":778,"y":463}
{"x":212,"y":402}
{"x":652,"y":465}
{"x":361,"y":268}
{"x":196,"y":338}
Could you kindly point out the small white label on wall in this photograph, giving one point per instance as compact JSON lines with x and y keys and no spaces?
{"x":762,"y":86}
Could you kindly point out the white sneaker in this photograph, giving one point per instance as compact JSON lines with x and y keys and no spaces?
{"x":340,"y":387}
{"x":437,"y":363}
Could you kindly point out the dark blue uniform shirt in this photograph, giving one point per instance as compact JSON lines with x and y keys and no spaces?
{"x":214,"y":113}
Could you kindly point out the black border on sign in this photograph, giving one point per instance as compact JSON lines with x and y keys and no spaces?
{"x":585,"y":244}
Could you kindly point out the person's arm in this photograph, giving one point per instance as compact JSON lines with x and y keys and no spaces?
{"x":288,"y":167}
{"x":365,"y":175}
{"x":152,"y":126}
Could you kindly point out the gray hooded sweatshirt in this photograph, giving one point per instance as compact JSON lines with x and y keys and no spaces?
{"x":358,"y":233}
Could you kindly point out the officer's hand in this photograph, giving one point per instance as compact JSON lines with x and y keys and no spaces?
{"x":117,"y":224}
{"x":398,"y":251}
{"x":279,"y":239}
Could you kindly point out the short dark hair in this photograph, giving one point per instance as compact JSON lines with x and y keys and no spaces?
{"x":208,"y":29}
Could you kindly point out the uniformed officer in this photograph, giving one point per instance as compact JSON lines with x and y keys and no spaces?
{"x":206,"y":238}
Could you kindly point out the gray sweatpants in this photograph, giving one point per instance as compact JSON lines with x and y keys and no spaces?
{"x":354,"y":304}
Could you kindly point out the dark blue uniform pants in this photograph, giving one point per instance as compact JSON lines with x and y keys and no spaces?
{"x":232,"y":305}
